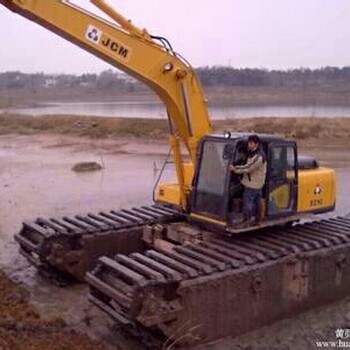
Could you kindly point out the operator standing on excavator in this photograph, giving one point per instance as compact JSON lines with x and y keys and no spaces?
{"x":254,"y":176}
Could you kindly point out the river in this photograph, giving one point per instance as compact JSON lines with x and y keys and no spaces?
{"x":156,"y":110}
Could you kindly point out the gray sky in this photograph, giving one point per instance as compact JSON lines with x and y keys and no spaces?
{"x":241,"y":33}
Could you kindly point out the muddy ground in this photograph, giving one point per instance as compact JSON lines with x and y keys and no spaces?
{"x":36,"y":180}
{"x":22,"y":327}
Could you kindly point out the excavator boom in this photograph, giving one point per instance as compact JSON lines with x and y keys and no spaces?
{"x":148,"y":58}
{"x":132,"y":50}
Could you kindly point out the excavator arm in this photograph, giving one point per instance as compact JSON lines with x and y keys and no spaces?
{"x":147,"y":58}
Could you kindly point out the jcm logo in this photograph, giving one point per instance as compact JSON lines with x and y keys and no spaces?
{"x":96,"y":36}
{"x":115,"y":47}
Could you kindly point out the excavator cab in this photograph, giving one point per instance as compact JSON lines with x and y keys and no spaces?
{"x":217,"y":196}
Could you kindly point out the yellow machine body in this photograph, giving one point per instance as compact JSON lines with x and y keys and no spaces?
{"x":316,"y":190}
{"x":152,"y":60}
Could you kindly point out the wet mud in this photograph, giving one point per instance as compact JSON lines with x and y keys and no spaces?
{"x":36,"y":180}
{"x":22,"y":327}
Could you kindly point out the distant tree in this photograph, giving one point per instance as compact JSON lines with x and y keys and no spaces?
{"x":228,"y":76}
{"x":209,"y":76}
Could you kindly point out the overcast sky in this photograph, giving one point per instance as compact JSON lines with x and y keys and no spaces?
{"x":242,"y":33}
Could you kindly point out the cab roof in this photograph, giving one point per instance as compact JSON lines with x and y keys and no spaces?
{"x":245,"y":135}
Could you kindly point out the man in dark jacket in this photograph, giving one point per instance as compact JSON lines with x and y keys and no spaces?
{"x":254,"y":176}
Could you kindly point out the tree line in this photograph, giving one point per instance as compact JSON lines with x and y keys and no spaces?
{"x":228,"y":76}
{"x":108,"y":79}
{"x":209,"y":76}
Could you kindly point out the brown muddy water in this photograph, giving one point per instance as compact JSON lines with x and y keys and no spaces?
{"x":36,"y":180}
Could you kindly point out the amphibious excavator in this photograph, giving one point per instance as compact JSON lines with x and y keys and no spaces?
{"x":183,"y":268}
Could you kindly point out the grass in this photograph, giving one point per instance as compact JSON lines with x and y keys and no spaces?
{"x":97,"y":128}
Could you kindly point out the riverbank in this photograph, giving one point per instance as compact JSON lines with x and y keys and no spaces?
{"x":97,"y":127}
{"x":224,"y":96}
{"x":279,"y":96}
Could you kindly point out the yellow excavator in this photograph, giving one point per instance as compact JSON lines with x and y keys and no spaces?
{"x":155,"y":266}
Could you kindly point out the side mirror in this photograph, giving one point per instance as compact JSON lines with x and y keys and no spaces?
{"x":229,"y":151}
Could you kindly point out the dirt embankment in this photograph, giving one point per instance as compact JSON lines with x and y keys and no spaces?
{"x":293,"y":128}
{"x":21,"y":327}
{"x":95,"y":127}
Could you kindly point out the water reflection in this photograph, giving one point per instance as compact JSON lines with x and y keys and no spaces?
{"x":156,"y":110}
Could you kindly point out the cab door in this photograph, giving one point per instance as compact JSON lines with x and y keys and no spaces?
{"x":211,"y":181}
{"x":282,"y":179}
